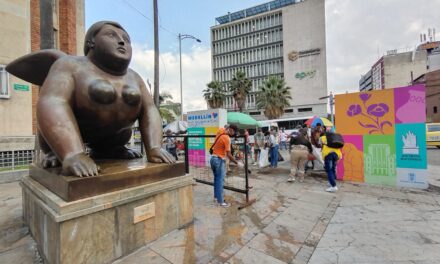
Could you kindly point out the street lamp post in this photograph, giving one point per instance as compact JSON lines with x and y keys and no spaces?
{"x":183,"y":36}
{"x":332,"y":103}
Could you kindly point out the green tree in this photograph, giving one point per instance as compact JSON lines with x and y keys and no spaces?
{"x":214,"y":94}
{"x":273,"y":97}
{"x":168,"y":109}
{"x":240,"y":87}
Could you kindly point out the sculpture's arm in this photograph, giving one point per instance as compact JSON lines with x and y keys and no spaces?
{"x":150,"y":125}
{"x":56,"y":120}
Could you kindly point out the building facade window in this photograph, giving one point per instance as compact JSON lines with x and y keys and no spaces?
{"x":4,"y":83}
{"x":306,"y":109}
{"x":435,"y":109}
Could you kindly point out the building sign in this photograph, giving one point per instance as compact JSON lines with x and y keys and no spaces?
{"x":21,"y":87}
{"x":385,"y":136}
{"x":308,"y":74}
{"x":205,"y":122}
{"x":294,"y":55}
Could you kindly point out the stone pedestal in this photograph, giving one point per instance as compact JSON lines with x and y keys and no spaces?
{"x":102,"y":228}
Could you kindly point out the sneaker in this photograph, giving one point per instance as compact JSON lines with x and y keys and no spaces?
{"x":331,"y":189}
{"x":291,"y":179}
{"x":255,"y":164}
{"x":225,"y":205}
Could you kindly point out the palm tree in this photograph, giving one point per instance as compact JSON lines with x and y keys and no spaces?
{"x":240,"y":87}
{"x":273,"y":97}
{"x":214,"y":94}
{"x":167,"y":108}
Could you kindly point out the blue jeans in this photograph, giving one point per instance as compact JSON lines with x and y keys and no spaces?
{"x":283,"y":144}
{"x":330,"y":167}
{"x":274,"y":156}
{"x":218,"y":167}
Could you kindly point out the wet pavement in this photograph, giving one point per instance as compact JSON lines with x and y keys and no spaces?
{"x":288,"y":223}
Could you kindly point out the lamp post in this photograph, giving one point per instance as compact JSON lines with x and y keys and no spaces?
{"x":183,"y":36}
{"x":332,"y":103}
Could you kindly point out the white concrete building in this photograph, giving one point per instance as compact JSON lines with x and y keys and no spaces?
{"x":281,"y":37}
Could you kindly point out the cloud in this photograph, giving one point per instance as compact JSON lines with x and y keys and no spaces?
{"x":359,"y":32}
{"x":196,"y":72}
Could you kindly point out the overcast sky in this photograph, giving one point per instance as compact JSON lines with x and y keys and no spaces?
{"x":358,"y":32}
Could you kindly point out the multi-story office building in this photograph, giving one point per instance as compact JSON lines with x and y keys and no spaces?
{"x":281,"y":37}
{"x":401,"y":68}
{"x":366,"y":82}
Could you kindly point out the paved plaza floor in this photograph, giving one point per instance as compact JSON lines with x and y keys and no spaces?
{"x":288,"y":223}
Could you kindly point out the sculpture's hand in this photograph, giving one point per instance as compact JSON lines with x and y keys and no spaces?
{"x":50,"y":160}
{"x":159,"y":155}
{"x":80,"y":165}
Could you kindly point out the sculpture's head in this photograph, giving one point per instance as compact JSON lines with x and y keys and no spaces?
{"x":108,"y":45}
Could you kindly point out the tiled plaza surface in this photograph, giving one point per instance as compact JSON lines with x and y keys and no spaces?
{"x":288,"y":223}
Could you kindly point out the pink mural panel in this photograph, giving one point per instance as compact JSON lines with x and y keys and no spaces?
{"x":196,"y":157}
{"x":351,"y":166}
{"x":409,"y":103}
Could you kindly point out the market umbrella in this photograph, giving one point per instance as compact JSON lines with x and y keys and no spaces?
{"x":310,"y":121}
{"x":176,"y":127}
{"x":322,"y":120}
{"x":242,"y":120}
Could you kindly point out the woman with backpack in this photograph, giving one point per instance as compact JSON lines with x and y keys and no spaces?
{"x":331,"y":152}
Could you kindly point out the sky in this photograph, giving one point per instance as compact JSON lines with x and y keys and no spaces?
{"x":358,"y":33}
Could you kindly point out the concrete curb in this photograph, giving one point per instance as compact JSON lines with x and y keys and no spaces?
{"x":12,"y":176}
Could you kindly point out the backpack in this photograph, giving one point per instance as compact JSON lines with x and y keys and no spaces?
{"x":335,"y":140}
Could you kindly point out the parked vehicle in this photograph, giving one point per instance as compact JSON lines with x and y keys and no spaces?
{"x":433,"y":134}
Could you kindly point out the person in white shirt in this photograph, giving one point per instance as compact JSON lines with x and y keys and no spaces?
{"x":283,"y":139}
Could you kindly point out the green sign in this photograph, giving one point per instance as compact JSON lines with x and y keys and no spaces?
{"x":21,"y":87}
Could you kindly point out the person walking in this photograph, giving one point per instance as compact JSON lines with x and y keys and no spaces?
{"x":171,"y":144}
{"x":331,"y":157}
{"x":258,"y":145}
{"x":273,"y":144}
{"x":283,"y":139}
{"x":221,"y":150}
{"x":300,"y":149}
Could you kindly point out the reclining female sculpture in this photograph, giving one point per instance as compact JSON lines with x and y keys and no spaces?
{"x":94,"y":100}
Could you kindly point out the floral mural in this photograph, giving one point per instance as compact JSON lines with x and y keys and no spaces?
{"x":374,"y":112}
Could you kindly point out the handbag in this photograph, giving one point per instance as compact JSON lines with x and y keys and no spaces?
{"x":211,"y":150}
{"x":310,"y":157}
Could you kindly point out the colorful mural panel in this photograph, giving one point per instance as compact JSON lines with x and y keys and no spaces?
{"x":351,"y":166}
{"x":412,"y":178}
{"x":411,"y":146}
{"x":385,"y":136}
{"x":410,"y":104}
{"x":370,"y":113}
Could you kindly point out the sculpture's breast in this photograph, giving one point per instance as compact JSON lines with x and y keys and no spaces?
{"x":102,"y":91}
{"x":131,"y":95}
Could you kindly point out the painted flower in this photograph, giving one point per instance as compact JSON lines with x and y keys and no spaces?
{"x":378,"y":110}
{"x":354,"y":110}
{"x":364,"y":97}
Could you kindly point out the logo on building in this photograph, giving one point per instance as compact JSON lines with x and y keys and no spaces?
{"x":294,"y":55}
{"x":302,"y":75}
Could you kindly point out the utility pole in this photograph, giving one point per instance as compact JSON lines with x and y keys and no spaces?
{"x":46,"y":25}
{"x":156,"y":54}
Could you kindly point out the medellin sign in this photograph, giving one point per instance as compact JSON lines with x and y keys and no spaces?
{"x":294,"y":55}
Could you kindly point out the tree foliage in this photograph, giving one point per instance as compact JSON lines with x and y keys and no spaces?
{"x":215,"y":94}
{"x":273,"y":97}
{"x":168,"y":109}
{"x":240,"y":87}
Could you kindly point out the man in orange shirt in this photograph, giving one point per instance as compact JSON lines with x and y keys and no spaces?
{"x":221,"y":150}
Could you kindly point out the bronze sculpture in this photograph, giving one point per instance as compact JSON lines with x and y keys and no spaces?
{"x":93,"y":99}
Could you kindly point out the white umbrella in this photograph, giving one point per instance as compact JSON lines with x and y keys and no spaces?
{"x":176,"y":127}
